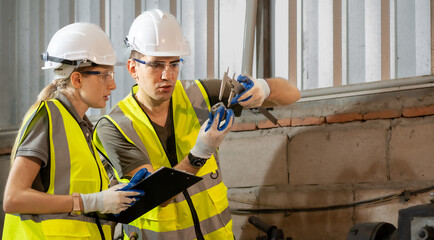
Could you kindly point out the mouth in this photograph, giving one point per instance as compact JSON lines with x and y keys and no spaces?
{"x":106,"y":97}
{"x":166,"y":87}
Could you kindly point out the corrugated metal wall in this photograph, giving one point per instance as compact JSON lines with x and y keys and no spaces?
{"x":314,"y":44}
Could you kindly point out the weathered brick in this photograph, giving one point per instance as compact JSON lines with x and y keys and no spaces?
{"x":307,"y":121}
{"x":285,"y":122}
{"x":243,"y":127}
{"x":352,"y":152}
{"x":254,"y":161}
{"x":418,"y":111}
{"x":266,"y":124}
{"x":411,"y":149}
{"x":345,"y":117}
{"x":382,"y":114}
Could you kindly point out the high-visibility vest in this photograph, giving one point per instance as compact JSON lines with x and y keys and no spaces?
{"x":209,"y":196}
{"x":73,"y":168}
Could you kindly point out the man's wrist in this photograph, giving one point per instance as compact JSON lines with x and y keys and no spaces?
{"x":265,"y":86}
{"x":196,"y":161}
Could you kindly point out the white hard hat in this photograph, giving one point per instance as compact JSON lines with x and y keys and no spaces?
{"x":157,"y":33}
{"x":79,"y":44}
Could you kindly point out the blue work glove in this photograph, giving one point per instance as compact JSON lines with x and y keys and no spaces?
{"x":211,"y":134}
{"x":141,"y":174}
{"x":254,"y":94}
{"x":223,"y":114}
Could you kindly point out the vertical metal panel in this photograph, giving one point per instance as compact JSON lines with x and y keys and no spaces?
{"x":102,"y":15}
{"x":137,"y":8}
{"x":216,"y":39}
{"x":197,"y":17}
{"x":28,"y":54}
{"x":192,"y":30}
{"x":393,"y":39}
{"x":356,"y":41}
{"x":249,"y":33}
{"x":149,"y":5}
{"x":422,"y":35}
{"x":372,"y":40}
{"x":9,"y":91}
{"x":121,"y":14}
{"x":232,"y":15}
{"x":165,"y":5}
{"x":385,"y":39}
{"x":310,"y":44}
{"x":263,"y":39}
{"x":406,"y":53}
{"x":325,"y":43}
{"x":432,"y":35}
{"x":337,"y":42}
{"x":344,"y":42}
{"x":300,"y":37}
{"x":293,"y":25}
{"x":210,"y":39}
{"x":279,"y":34}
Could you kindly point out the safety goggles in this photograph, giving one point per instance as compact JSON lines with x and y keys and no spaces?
{"x":158,"y":67}
{"x":106,"y":75}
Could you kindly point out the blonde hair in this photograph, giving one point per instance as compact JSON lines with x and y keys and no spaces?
{"x":50,"y":91}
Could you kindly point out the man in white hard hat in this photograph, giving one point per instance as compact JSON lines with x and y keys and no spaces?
{"x":164,"y":123}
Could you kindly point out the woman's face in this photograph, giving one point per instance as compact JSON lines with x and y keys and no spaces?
{"x":97,"y":84}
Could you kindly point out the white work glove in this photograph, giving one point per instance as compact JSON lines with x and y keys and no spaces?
{"x":255,"y":93}
{"x":212,"y":133}
{"x":109,"y":201}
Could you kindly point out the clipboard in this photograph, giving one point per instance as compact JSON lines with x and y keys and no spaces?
{"x":159,"y":187}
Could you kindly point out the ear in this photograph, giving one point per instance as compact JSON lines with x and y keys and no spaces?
{"x":76,"y":79}
{"x":131,"y":66}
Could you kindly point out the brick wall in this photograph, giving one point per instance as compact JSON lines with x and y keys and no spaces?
{"x":330,"y":152}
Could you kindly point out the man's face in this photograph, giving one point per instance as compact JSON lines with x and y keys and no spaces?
{"x":157,"y":76}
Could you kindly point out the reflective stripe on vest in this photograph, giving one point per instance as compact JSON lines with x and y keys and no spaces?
{"x":73,"y":168}
{"x":190,"y":110}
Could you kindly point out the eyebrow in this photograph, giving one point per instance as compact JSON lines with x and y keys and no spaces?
{"x":179,"y":60}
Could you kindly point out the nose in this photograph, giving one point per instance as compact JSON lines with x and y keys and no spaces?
{"x":112,"y":84}
{"x":167,"y":72}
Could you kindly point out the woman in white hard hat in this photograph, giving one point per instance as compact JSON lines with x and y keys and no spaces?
{"x":56,"y":174}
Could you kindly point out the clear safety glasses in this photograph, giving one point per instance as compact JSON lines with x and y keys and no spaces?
{"x":106,"y":75}
{"x":159,"y":67}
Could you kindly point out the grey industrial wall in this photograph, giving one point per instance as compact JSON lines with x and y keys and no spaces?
{"x":328,"y":152}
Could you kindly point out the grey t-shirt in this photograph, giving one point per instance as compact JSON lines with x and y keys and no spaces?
{"x":126,"y":157}
{"x":36,"y":143}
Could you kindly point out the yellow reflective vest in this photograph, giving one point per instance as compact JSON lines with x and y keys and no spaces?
{"x":209,"y":196}
{"x":73,"y":168}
